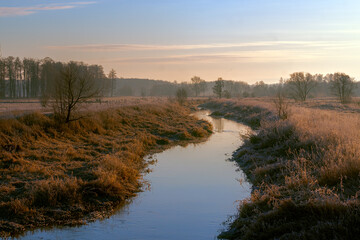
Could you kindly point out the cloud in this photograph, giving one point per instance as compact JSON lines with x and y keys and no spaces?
{"x":141,"y":47}
{"x":243,"y":46}
{"x":205,"y":58}
{"x":261,"y":56}
{"x":22,"y":11}
{"x":219,"y":53}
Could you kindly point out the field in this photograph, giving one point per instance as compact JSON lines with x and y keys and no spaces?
{"x":17,"y":107}
{"x":305,"y":170}
{"x":53,"y":173}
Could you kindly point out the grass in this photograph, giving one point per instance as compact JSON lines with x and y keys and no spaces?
{"x":305,"y":172}
{"x":10,"y":108}
{"x":53,"y":173}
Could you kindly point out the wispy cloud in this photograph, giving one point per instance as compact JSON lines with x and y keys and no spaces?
{"x":141,"y":47}
{"x":244,"y":46}
{"x":262,"y":51}
{"x":205,"y":58}
{"x":225,"y":57}
{"x":22,"y":11}
{"x":219,"y":53}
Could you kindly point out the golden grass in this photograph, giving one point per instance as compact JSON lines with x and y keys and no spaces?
{"x":305,"y":171}
{"x":61,"y":174}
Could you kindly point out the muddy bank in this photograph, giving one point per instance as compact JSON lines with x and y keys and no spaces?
{"x":305,"y":171}
{"x":55,"y":174}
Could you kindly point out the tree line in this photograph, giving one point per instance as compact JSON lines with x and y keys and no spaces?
{"x":300,"y":86}
{"x":34,"y":78}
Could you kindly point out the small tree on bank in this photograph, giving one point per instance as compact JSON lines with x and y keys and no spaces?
{"x":300,"y":85}
{"x":281,"y":103}
{"x":342,"y":86}
{"x":73,"y":87}
{"x":218,"y":88}
{"x":181,"y":96}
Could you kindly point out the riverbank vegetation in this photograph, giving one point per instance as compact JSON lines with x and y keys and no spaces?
{"x":55,"y":173}
{"x":305,"y":171}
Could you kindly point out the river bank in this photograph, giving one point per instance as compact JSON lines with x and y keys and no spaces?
{"x":192,"y":190}
{"x":305,"y":172}
{"x":55,"y":174}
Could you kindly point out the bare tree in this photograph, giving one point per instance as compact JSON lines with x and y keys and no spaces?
{"x":218,"y":88}
{"x":198,"y":85}
{"x":11,"y":76}
{"x":2,"y":78}
{"x":18,"y":77}
{"x":300,"y":85}
{"x":74,"y":87}
{"x":342,"y":86}
{"x":260,"y":89}
{"x":281,"y":103}
{"x":112,"y":77}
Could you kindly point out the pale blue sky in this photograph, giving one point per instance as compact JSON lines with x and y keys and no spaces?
{"x":248,"y":40}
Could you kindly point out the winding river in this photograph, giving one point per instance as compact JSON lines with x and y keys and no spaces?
{"x":193,"y":190}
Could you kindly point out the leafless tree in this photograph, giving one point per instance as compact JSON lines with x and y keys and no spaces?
{"x":198,"y":85}
{"x":2,"y":78}
{"x":300,"y":85}
{"x":281,"y":103}
{"x":342,"y":86}
{"x":74,"y":87}
{"x":112,"y":77}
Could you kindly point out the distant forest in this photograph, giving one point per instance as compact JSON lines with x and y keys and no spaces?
{"x":33,"y":78}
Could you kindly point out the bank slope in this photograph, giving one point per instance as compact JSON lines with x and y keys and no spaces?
{"x":53,"y":173}
{"x":305,"y":171}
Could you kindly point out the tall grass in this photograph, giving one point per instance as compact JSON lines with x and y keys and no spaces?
{"x":62,"y":174}
{"x":305,"y":171}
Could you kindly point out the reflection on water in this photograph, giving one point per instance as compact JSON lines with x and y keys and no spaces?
{"x":193,"y":191}
{"x":218,"y":124}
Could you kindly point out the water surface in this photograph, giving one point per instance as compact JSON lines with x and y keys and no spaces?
{"x":193,"y":190}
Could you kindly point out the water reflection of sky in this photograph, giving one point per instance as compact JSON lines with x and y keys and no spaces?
{"x":193,"y":190}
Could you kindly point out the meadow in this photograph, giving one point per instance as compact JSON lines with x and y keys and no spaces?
{"x":305,"y":170}
{"x":53,"y":173}
{"x":10,"y":108}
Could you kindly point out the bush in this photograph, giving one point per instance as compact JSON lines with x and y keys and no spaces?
{"x":181,"y":96}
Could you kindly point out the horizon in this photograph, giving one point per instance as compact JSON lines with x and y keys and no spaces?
{"x":246,"y":41}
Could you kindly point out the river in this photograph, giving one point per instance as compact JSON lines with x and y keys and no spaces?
{"x":193,"y":190}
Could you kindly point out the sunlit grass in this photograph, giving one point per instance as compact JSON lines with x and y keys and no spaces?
{"x":53,"y":173}
{"x":306,"y":172}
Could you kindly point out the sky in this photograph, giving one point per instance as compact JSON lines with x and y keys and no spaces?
{"x":174,"y":40}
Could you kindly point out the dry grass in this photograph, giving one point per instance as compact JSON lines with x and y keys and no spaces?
{"x":10,"y":108}
{"x":65,"y":174}
{"x":305,"y":171}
